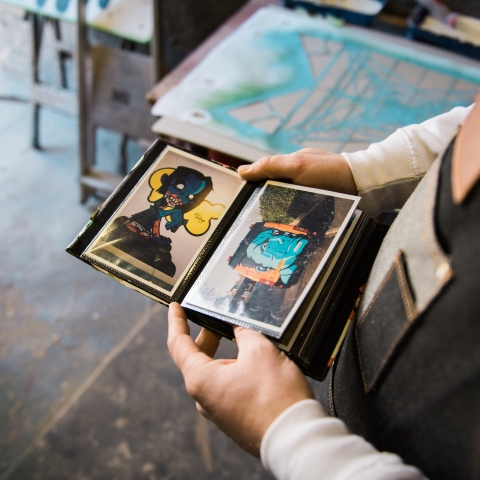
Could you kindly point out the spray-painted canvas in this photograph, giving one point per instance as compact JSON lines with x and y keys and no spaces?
{"x":284,"y":81}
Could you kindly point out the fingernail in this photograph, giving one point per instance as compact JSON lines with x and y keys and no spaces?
{"x":244,"y":168}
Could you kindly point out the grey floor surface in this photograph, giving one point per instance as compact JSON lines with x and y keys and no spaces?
{"x":87,"y":388}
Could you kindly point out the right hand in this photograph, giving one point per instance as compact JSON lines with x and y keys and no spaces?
{"x":242,"y":396}
{"x":309,"y":167}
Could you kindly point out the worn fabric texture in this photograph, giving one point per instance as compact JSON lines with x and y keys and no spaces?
{"x":414,"y":234}
{"x":409,"y":381}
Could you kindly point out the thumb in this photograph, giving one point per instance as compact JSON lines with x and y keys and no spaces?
{"x":276,"y":167}
{"x":249,"y":341}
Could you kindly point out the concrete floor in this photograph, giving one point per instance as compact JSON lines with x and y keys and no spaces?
{"x":87,"y":388}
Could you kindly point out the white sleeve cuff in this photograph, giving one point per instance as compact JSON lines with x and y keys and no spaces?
{"x":387,"y":172}
{"x":304,"y":444}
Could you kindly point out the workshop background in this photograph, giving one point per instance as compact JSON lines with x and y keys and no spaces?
{"x":87,"y":387}
{"x":88,"y":390}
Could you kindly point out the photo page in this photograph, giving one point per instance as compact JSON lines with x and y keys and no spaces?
{"x":270,"y":258}
{"x":165,"y":221}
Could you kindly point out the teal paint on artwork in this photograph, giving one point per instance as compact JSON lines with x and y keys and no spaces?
{"x":287,"y":53}
{"x":377,"y":98}
{"x":278,"y":53}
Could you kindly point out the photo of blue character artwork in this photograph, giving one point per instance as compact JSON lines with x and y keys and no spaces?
{"x":276,"y":250}
{"x":273,"y":253}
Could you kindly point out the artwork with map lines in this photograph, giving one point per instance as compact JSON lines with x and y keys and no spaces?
{"x":285,"y":81}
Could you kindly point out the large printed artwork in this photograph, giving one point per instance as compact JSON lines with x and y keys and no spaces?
{"x":284,"y":81}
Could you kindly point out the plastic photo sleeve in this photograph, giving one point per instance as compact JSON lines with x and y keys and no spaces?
{"x":271,"y":257}
{"x":164,"y":222}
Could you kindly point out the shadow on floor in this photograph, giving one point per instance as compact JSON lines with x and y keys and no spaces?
{"x":60,"y":337}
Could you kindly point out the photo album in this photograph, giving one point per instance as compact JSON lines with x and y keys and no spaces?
{"x":285,"y":260}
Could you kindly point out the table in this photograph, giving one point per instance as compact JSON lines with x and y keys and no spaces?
{"x":131,"y":20}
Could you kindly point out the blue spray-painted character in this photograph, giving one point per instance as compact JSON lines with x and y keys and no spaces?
{"x":183,"y":190}
{"x":275,"y":249}
{"x":178,"y":198}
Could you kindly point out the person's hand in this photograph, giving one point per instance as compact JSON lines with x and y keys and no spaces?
{"x":242,"y":396}
{"x":309,"y":167}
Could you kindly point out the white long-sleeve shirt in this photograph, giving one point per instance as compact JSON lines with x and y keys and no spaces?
{"x":303,"y":443}
{"x":387,"y":172}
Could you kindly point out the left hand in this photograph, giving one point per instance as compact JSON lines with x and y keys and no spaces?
{"x":309,"y":167}
{"x":242,"y":396}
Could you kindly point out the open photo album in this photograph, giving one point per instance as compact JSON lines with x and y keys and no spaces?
{"x":285,"y":260}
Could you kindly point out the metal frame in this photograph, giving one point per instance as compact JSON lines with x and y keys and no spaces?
{"x":59,"y":99}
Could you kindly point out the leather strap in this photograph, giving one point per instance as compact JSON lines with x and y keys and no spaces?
{"x":466,"y":156}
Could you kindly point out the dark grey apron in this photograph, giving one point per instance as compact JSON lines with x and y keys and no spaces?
{"x":408,"y":376}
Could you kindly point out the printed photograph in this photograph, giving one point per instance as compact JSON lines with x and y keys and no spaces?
{"x":273,"y":256}
{"x":166,"y":220}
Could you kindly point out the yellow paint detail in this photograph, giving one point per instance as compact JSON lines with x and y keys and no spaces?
{"x":155,"y":183}
{"x":280,"y":266}
{"x":198,"y":219}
